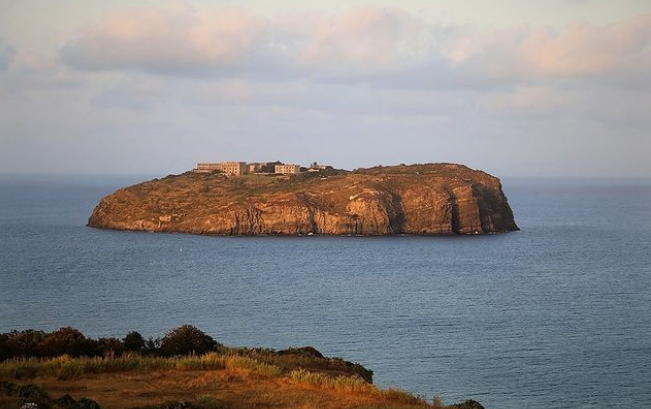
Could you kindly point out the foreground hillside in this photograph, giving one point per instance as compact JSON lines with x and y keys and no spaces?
{"x":418,"y":199}
{"x":185,"y":369}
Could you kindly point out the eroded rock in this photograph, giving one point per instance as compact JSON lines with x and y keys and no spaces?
{"x":420,"y":199}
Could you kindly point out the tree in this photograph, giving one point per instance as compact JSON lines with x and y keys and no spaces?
{"x":68,"y":341}
{"x":133,"y":341}
{"x":186,"y":340}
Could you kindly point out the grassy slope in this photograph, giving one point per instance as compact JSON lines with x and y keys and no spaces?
{"x":232,"y":381}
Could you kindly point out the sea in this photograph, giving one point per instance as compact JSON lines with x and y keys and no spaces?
{"x":557,"y":315}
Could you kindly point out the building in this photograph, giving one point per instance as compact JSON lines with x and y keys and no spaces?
{"x":256,"y":167}
{"x":315,"y":167}
{"x":230,"y":168}
{"x":287,"y":169}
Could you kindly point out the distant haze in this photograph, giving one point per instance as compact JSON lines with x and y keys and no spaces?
{"x":516,"y":88}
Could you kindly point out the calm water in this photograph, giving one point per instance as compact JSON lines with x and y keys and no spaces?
{"x":555,"y":316}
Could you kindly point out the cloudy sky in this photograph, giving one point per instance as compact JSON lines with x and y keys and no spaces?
{"x":513,"y":87}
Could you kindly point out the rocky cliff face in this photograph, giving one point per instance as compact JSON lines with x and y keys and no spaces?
{"x":418,"y":199}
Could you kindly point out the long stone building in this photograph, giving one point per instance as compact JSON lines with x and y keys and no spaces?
{"x":231,"y":168}
{"x":242,"y":168}
{"x":287,"y":169}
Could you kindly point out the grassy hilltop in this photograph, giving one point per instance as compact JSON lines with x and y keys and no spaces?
{"x":184,"y":369}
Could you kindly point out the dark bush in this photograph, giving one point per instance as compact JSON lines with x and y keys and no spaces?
{"x":134,"y":342}
{"x":68,"y":402}
{"x":28,"y":390}
{"x":33,"y":394}
{"x":186,"y":340}
{"x":5,"y":353}
{"x":85,"y":403}
{"x":109,"y":347}
{"x":469,"y":404}
{"x":20,"y":344}
{"x":302,"y":351}
{"x":68,"y":341}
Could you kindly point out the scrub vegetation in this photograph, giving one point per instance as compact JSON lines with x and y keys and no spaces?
{"x":186,"y":368}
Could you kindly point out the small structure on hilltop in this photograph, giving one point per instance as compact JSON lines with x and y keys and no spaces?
{"x":315,"y":167}
{"x":230,"y":168}
{"x":287,"y":169}
{"x":257,"y":167}
{"x":243,"y":168}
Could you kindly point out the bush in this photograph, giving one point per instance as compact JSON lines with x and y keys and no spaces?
{"x":20,"y":344}
{"x":468,"y":404}
{"x":28,"y":390}
{"x":40,"y":399}
{"x":134,"y":342}
{"x":67,"y":341}
{"x":4,"y":348}
{"x":109,"y":347}
{"x":186,"y":340}
{"x":68,"y":402}
{"x":302,"y":351}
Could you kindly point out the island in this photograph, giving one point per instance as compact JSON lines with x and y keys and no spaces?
{"x":422,"y":199}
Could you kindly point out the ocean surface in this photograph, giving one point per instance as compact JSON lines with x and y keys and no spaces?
{"x":557,"y":315}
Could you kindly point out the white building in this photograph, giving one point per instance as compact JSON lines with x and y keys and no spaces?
{"x":287,"y":169}
{"x":230,"y":168}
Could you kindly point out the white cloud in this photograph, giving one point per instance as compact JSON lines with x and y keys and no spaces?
{"x":177,"y":40}
{"x":170,"y":86}
{"x":584,"y":50}
{"x":368,"y":44}
{"x":530,"y":102}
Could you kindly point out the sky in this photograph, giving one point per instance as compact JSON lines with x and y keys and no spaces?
{"x":553,"y":89}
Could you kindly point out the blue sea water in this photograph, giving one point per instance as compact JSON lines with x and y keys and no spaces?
{"x":557,"y":315}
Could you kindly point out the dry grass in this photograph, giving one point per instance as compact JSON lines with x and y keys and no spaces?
{"x":65,"y":367}
{"x":354,"y":385}
{"x":231,"y":381}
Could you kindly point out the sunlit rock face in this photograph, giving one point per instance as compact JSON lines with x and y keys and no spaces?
{"x":435,"y":199}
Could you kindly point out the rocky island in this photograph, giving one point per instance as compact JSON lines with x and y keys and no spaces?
{"x":432,"y":199}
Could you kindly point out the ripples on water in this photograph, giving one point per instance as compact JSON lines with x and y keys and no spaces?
{"x":555,"y":316}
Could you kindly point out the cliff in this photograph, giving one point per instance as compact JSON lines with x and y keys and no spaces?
{"x":431,"y":199}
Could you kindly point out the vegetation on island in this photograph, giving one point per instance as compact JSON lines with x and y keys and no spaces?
{"x":186,"y":368}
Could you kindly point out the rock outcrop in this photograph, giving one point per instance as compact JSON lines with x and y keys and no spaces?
{"x":435,"y":199}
